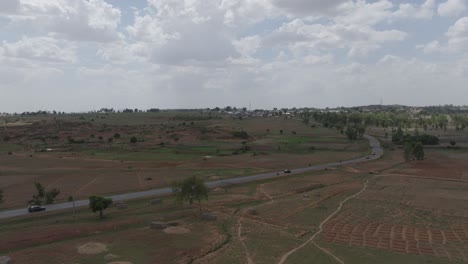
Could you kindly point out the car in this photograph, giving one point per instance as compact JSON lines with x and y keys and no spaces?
{"x":36,"y":208}
{"x":287,"y":171}
{"x":367,"y":157}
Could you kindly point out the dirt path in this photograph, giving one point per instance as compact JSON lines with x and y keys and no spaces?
{"x":241,"y":240}
{"x":78,"y":192}
{"x":421,"y":177}
{"x":264,"y":192}
{"x":311,"y":240}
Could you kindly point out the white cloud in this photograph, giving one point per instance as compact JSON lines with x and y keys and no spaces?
{"x":242,"y":13}
{"x":457,"y":39}
{"x":424,"y":11}
{"x":451,"y":8}
{"x":247,"y":46}
{"x":197,"y":53}
{"x":364,"y":13}
{"x":178,"y":32}
{"x":360,"y":40}
{"x":149,"y":29}
{"x":44,"y":49}
{"x":9,"y":6}
{"x":308,"y":7}
{"x":431,"y":47}
{"x":458,"y":35}
{"x":81,"y":20}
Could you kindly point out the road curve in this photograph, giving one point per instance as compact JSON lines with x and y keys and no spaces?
{"x":377,"y":152}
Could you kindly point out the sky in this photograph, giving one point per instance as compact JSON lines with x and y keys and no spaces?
{"x":82,"y":55}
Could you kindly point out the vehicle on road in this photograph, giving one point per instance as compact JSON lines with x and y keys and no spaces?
{"x":287,"y":171}
{"x":36,"y":208}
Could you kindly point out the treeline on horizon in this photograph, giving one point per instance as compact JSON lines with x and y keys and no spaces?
{"x":423,"y":110}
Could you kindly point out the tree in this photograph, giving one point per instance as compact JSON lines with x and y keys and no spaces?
{"x":413,"y":150}
{"x":72,"y":200}
{"x":408,"y":151}
{"x":189,"y":190}
{"x":1,"y":196}
{"x":351,"y":133}
{"x":50,"y":195}
{"x":99,"y":204}
{"x":42,"y":196}
{"x":453,"y":143}
{"x":133,"y":140}
{"x":418,"y":151}
{"x":398,"y":136}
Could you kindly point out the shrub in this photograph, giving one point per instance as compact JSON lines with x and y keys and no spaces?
{"x":240,"y":134}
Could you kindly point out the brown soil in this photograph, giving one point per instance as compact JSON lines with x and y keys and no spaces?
{"x":176,"y":230}
{"x":92,"y":248}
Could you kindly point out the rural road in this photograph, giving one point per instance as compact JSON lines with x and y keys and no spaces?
{"x":374,"y":144}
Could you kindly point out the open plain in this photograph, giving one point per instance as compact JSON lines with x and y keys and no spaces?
{"x":381,"y":211}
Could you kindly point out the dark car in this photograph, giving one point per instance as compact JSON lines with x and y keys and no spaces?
{"x":287,"y":171}
{"x":36,"y":208}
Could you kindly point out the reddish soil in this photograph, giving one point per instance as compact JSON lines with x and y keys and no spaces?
{"x":351,"y":229}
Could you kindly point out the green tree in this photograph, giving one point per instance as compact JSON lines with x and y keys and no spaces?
{"x":351,"y":133}
{"x":413,"y":150}
{"x":418,"y":151}
{"x":189,"y":190}
{"x":42,"y":196}
{"x":408,"y":151}
{"x":99,"y":204}
{"x":398,"y":136}
{"x":133,"y":140}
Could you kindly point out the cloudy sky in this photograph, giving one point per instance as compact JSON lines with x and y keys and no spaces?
{"x":78,"y":55}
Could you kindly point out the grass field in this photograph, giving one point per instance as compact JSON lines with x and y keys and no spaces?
{"x":74,"y":154}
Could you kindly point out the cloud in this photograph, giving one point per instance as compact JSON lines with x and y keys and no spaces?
{"x":451,"y":8}
{"x":299,"y":36}
{"x":178,"y":32}
{"x":458,"y":35}
{"x":194,"y":53}
{"x":80,"y":20}
{"x":308,"y":7}
{"x":247,"y":46}
{"x":407,"y":10}
{"x":196,"y":43}
{"x":43,"y":49}
{"x":431,"y":47}
{"x":9,"y":6}
{"x":456,"y":39}
{"x":149,"y":29}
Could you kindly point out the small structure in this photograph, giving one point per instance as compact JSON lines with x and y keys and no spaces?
{"x":156,"y":201}
{"x":5,"y":260}
{"x":158,"y":225}
{"x":121,"y":205}
{"x":208,"y":216}
{"x":252,"y":211}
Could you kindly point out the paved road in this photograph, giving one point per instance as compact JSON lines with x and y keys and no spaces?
{"x":374,"y":143}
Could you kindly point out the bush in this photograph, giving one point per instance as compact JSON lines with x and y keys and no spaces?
{"x":240,"y":134}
